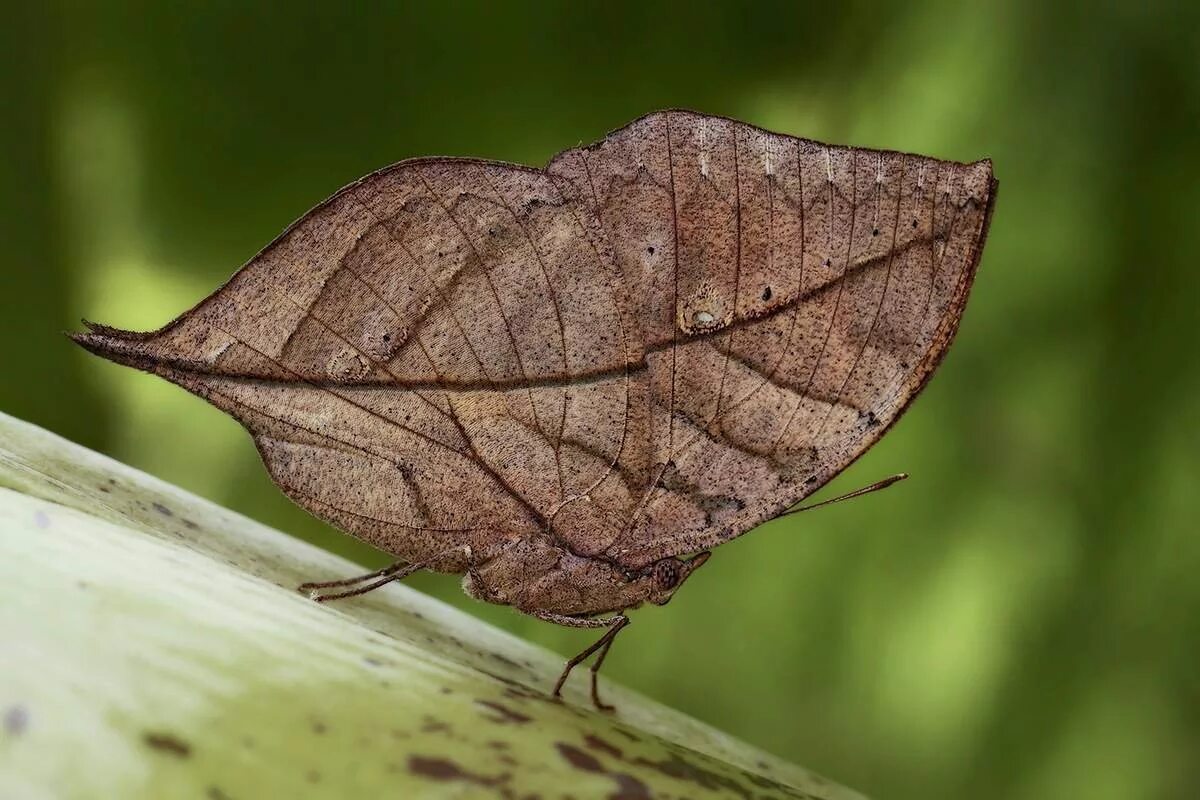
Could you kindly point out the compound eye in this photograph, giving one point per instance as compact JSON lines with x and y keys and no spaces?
{"x":666,"y":573}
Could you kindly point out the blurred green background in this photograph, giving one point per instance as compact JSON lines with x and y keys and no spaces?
{"x":1020,"y":619}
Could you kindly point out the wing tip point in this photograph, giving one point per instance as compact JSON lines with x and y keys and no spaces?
{"x":121,"y":347}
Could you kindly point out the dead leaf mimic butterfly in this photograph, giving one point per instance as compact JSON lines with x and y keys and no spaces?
{"x":568,"y":384}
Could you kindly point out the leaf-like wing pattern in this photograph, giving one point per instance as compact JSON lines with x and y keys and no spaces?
{"x":643,"y":350}
{"x":795,"y":297}
{"x":438,"y":355}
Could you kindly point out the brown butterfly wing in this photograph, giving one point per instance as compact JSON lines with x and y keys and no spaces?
{"x":794,"y":297}
{"x":644,"y":350}
{"x":441,"y":354}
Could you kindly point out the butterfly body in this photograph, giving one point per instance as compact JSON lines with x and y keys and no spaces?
{"x":539,"y":575}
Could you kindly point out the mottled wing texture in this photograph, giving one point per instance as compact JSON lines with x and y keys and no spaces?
{"x":794,"y":297}
{"x":415,"y":357}
{"x":643,"y":350}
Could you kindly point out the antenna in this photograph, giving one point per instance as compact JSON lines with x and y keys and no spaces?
{"x":874,"y":487}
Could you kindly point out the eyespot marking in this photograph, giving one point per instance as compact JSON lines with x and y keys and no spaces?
{"x":347,"y":365}
{"x":706,"y":311}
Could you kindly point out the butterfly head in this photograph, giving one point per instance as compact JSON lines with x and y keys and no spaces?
{"x":668,"y":574}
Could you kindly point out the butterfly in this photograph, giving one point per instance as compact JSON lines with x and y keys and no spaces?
{"x":570,"y":384}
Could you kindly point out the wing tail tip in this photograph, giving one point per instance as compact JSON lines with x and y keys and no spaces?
{"x":110,"y":332}
{"x":121,"y":347}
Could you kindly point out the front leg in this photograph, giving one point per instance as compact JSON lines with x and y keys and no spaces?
{"x":615,"y":625}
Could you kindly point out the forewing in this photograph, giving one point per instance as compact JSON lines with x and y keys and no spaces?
{"x":794,"y":298}
{"x":441,"y":354}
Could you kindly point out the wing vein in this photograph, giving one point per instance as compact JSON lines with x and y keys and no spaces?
{"x":495,"y":296}
{"x":841,"y":284}
{"x":562,"y":332}
{"x":731,"y":334}
{"x":878,"y":308}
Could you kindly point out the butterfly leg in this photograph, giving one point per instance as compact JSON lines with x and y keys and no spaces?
{"x":385,"y":575}
{"x":380,"y":577}
{"x":485,"y":592}
{"x":615,"y":625}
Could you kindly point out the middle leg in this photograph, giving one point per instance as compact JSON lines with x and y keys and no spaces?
{"x":615,"y":625}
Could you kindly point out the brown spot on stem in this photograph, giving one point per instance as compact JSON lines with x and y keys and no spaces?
{"x":440,"y":769}
{"x":504,"y":714}
{"x":630,"y":735}
{"x":16,"y":720}
{"x":505,"y":660}
{"x":431,"y":724}
{"x":596,"y":743}
{"x":628,"y":787}
{"x":682,"y":769}
{"x":578,"y":758}
{"x":167,"y":743}
{"x":445,"y":770}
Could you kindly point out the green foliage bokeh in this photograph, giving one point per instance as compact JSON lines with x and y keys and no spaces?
{"x":1020,"y":619}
